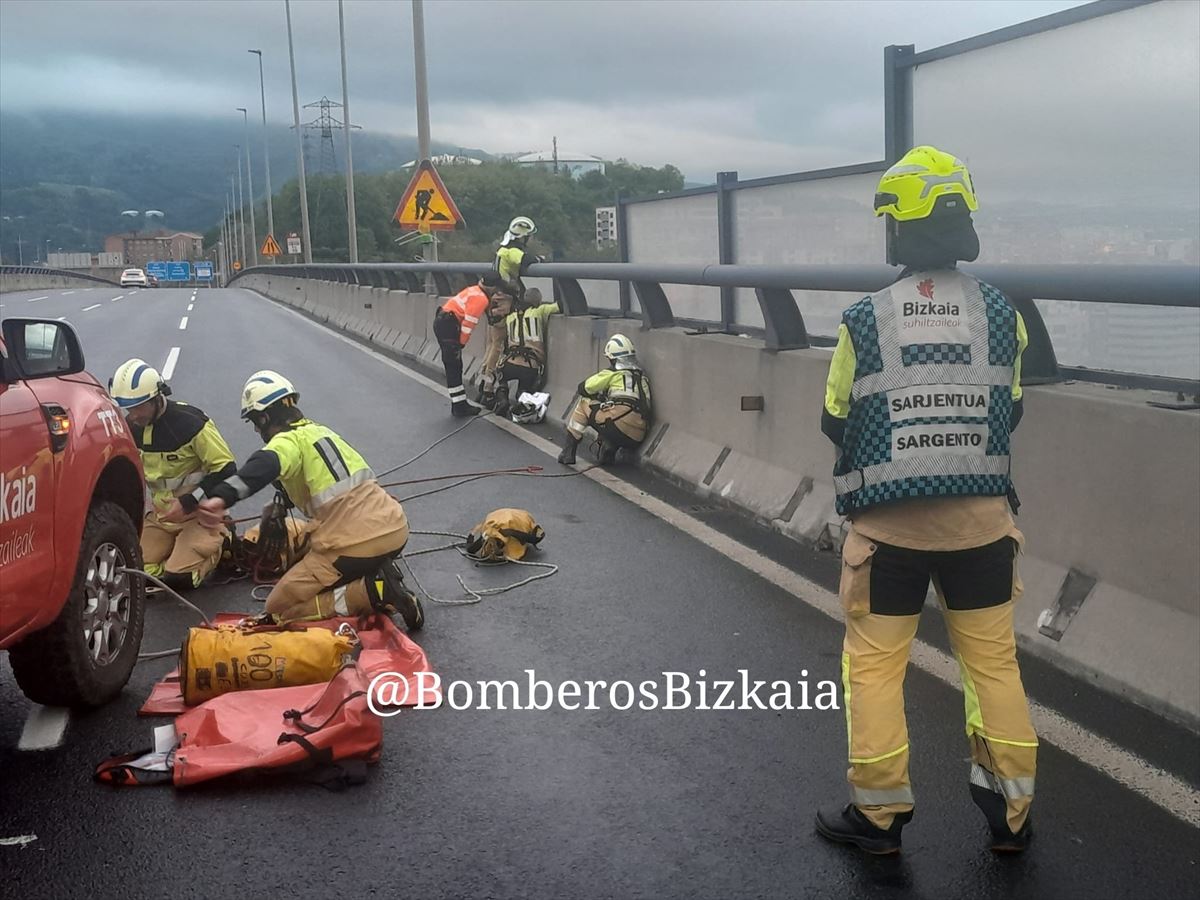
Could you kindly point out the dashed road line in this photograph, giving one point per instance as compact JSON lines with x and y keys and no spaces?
{"x":168,"y":368}
{"x":34,"y":299}
{"x":44,"y":728}
{"x":67,"y":293}
{"x":183,"y":323}
{"x":1127,"y":769}
{"x":116,"y":298}
{"x":93,"y":306}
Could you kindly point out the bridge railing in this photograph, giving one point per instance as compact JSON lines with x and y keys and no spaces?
{"x":784,"y":328}
{"x":41,"y":270}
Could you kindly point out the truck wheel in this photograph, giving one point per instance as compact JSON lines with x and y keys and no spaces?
{"x":87,"y":655}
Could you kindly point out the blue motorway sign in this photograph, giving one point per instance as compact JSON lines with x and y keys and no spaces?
{"x":157,"y":269}
{"x":204,"y":271}
{"x":179,"y":270}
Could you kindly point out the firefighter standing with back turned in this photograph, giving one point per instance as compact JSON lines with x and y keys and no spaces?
{"x":923,"y":393}
{"x":453,"y":326}
{"x":184,"y":457}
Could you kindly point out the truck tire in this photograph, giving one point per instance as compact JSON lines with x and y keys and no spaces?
{"x":85,"y":657}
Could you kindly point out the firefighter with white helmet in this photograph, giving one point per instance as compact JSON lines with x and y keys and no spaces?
{"x":355,"y":530}
{"x":615,"y":402}
{"x":923,"y":393}
{"x":184,"y":457}
{"x":512,"y":260}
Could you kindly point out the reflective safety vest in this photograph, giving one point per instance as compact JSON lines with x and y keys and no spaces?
{"x":508,"y":262}
{"x":178,"y":450}
{"x":931,"y":400}
{"x":316,"y":466}
{"x":468,"y":306}
{"x":527,"y":328}
{"x":628,"y":386}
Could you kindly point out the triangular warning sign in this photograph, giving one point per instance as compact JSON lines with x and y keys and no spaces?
{"x":427,"y":204}
{"x":270,"y":247}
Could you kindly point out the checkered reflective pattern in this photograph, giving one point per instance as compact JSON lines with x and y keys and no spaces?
{"x":934,"y":354}
{"x":869,"y":430}
{"x":999,"y":417}
{"x":1002,"y":327}
{"x":859,"y":320}
{"x":926,"y":486}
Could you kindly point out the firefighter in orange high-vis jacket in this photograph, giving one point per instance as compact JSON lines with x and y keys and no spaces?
{"x":453,"y":326}
{"x":923,"y":393}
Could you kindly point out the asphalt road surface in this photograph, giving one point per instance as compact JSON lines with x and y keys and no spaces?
{"x":561,"y":804}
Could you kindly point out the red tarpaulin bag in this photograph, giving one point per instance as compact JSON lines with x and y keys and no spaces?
{"x":324,"y":733}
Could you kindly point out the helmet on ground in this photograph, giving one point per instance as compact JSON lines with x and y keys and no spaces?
{"x":135,"y":382}
{"x":264,"y":389}
{"x":619,"y":347}
{"x":530,"y":409}
{"x":911,"y":188}
{"x":522,"y":226}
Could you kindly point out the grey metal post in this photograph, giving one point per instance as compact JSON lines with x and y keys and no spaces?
{"x":623,"y":253}
{"x":351,"y":218}
{"x":897,"y":112}
{"x":725,"y":247}
{"x":429,"y":250}
{"x":306,"y":235}
{"x":262,"y":88}
{"x":250,"y":187}
{"x":233,"y":229}
{"x":241,"y":207}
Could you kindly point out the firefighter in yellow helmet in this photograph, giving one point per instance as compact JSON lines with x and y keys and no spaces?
{"x":524,"y":356}
{"x":356,"y":528}
{"x":923,"y":393}
{"x":615,"y":402}
{"x":184,"y":457}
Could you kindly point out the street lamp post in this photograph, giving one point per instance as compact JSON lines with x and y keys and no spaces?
{"x":262,"y":89}
{"x":250,"y":186}
{"x":351,"y":218}
{"x":429,"y":250}
{"x":20,"y":250}
{"x":241,"y":206}
{"x":287,"y":5}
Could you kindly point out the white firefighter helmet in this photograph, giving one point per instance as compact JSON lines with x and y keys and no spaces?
{"x":135,"y":382}
{"x":530,"y":409}
{"x":263,"y":389}
{"x":620,"y":351}
{"x":520,"y":227}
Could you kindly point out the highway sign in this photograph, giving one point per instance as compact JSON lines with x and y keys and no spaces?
{"x":204,"y":271}
{"x":157,"y":269}
{"x":179,"y":270}
{"x":293,"y":242}
{"x":427,"y":204}
{"x":270,"y":247}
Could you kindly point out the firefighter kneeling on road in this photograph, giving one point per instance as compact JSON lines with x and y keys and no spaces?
{"x":615,"y":402}
{"x":357,"y":528}
{"x":184,"y":457}
{"x":923,"y":393}
{"x":524,"y":359}
{"x":453,"y":326}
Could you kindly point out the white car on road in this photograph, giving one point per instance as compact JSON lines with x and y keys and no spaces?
{"x":134,"y":278}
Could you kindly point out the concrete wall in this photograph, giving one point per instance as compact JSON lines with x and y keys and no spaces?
{"x":1110,"y":485}
{"x":9,"y":283}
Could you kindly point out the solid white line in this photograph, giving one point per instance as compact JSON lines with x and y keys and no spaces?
{"x":44,"y":728}
{"x":19,"y":841}
{"x":168,"y":368}
{"x":1161,"y":788}
{"x":34,"y":299}
{"x":183,"y":323}
{"x":93,"y":306}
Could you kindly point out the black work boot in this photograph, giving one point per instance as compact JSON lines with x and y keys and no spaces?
{"x":501,"y":406}
{"x":391,"y":596}
{"x":608,"y":454}
{"x":567,"y":456}
{"x":849,"y":826}
{"x":487,"y":400}
{"x":463,"y":410}
{"x":995,"y":810}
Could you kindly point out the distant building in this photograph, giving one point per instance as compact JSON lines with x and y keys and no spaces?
{"x":141,"y":247}
{"x":447,"y":159}
{"x":575,"y":164}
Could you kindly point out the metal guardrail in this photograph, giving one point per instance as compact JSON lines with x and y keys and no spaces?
{"x":1167,"y":285}
{"x":39,"y":270}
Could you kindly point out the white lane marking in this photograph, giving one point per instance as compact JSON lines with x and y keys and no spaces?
{"x":61,"y":319}
{"x":168,"y":368}
{"x":190,"y":305}
{"x":116,"y":298}
{"x":93,"y":306}
{"x":44,"y":728}
{"x":19,"y":841}
{"x":67,"y":293}
{"x":34,"y":299}
{"x":1129,"y":770}
{"x":183,"y":323}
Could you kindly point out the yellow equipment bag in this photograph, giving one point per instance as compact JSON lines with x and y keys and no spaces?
{"x":504,"y":534}
{"x":214,"y":661}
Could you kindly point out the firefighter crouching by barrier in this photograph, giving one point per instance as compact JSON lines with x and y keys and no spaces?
{"x":615,"y":402}
{"x":524,"y":359}
{"x":357,"y":528}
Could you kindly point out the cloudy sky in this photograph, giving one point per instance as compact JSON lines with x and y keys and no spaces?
{"x":761,"y":86}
